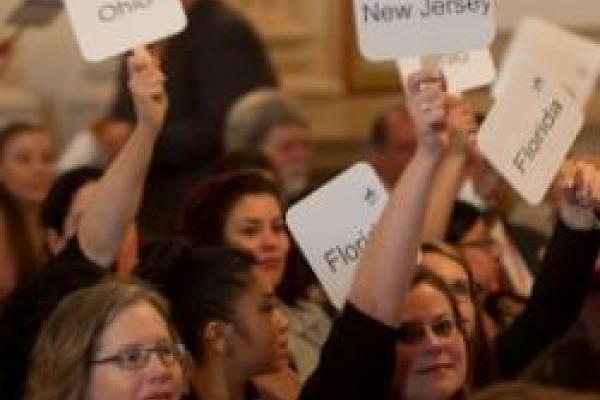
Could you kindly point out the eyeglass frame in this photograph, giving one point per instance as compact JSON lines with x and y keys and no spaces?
{"x":178,"y":353}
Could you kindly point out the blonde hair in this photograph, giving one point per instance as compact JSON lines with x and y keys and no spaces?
{"x":60,"y":364}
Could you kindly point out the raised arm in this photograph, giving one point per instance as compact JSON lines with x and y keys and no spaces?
{"x":450,"y":176}
{"x":389,"y":262}
{"x":117,"y":198}
{"x":561,"y":288}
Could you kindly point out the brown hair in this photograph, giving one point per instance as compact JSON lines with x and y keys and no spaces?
{"x":204,"y":214}
{"x":425,"y":277}
{"x":60,"y":365}
{"x":14,"y":130}
{"x":485,"y":365}
{"x":526,"y":391}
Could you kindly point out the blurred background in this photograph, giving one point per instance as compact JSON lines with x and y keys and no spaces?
{"x":311,"y":43}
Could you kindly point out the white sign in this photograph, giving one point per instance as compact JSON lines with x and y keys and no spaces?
{"x":105,"y":28}
{"x":464,"y":71}
{"x":394,"y":29}
{"x":332,"y":226}
{"x":573,"y":60}
{"x":529,"y":132}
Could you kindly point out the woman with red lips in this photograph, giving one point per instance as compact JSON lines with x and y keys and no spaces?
{"x":27,"y":172}
{"x":245,"y":210}
{"x":107,"y":342}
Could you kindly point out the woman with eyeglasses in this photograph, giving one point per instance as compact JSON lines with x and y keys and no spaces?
{"x":558,"y":292}
{"x":399,"y":337}
{"x":112,"y":341}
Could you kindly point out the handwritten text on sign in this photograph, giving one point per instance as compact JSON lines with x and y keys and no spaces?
{"x":529,"y":132}
{"x":391,"y":29}
{"x":332,"y":226}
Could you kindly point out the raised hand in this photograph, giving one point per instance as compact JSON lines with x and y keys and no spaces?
{"x":146,"y":83}
{"x":579,"y":188}
{"x":427,"y":102}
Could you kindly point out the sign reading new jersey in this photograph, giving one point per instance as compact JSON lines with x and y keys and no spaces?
{"x":529,"y":132}
{"x":105,"y":28}
{"x":393,"y":29}
{"x":332,"y":226}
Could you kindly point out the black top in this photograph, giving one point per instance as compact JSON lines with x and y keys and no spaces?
{"x":558,"y":295}
{"x":357,"y":361}
{"x":30,"y":306}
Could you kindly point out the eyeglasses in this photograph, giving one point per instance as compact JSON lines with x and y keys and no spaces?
{"x":137,"y":358}
{"x":412,"y":333}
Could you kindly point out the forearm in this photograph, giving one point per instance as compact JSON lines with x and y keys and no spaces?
{"x":389,"y":262}
{"x":558,"y":295}
{"x":446,"y":185}
{"x":117,"y":199}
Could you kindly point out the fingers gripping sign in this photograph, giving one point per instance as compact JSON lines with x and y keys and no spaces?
{"x":579,"y":186}
{"x":427,"y":102}
{"x":146,"y":82}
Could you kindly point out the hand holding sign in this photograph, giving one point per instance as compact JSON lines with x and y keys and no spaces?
{"x":579,"y":186}
{"x":427,"y":102}
{"x":146,"y":83}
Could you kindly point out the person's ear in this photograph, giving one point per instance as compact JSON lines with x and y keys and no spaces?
{"x":217,"y":336}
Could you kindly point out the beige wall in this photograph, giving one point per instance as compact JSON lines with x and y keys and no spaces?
{"x":49,"y":66}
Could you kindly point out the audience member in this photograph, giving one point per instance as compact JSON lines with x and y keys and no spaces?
{"x":268,"y":121}
{"x":227,"y":315}
{"x":110,"y":341}
{"x":358,"y":359}
{"x":245,"y":210}
{"x":26,"y":172}
{"x":96,"y":238}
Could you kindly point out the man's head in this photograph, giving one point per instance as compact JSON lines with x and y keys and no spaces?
{"x":268,"y":121}
{"x":62,"y":209}
{"x":393,"y":141}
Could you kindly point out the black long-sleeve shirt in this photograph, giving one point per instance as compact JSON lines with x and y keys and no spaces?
{"x":558,"y":295}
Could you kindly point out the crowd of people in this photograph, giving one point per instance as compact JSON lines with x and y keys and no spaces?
{"x":151,"y":260}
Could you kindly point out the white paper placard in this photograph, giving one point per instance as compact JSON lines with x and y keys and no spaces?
{"x":464,"y":71}
{"x":105,"y":28}
{"x":332,"y":226}
{"x":394,"y":29}
{"x":573,"y":60}
{"x":529,"y":132}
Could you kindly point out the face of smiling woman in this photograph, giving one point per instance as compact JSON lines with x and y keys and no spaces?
{"x":431,"y":354}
